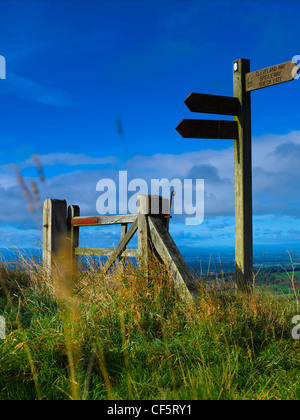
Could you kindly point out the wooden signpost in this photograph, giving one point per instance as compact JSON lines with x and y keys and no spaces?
{"x":270,"y":76}
{"x":239,"y":106}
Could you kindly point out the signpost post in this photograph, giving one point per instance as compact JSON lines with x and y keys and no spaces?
{"x":239,"y":106}
{"x":243,"y":179}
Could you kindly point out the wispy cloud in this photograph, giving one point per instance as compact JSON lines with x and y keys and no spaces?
{"x":70,"y":159}
{"x":25,"y":88}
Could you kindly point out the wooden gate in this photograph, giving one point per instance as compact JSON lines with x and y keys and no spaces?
{"x":60,"y":221}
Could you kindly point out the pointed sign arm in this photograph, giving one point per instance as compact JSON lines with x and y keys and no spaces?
{"x":208,"y":129}
{"x":212,"y":104}
{"x":269,"y":76}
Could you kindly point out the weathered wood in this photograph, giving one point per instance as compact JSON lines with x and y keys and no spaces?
{"x":167,"y":249}
{"x":124,"y":229}
{"x":154,"y":205}
{"x":122,"y":245}
{"x":105,"y":252}
{"x":73,"y":233}
{"x":212,"y":104}
{"x":103,"y":220}
{"x":157,"y":207}
{"x":143,"y":240}
{"x":243,"y":179}
{"x":269,"y":76}
{"x":84,"y":221}
{"x":207,"y":129}
{"x":144,"y":209}
{"x":54,"y":230}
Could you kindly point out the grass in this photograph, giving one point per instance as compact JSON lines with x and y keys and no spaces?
{"x":132,"y":337}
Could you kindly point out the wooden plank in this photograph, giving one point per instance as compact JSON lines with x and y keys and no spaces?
{"x":243,"y":180}
{"x":212,"y":104}
{"x":84,"y":221}
{"x":167,"y":249}
{"x":269,"y":76}
{"x":143,"y":240}
{"x":103,"y":220}
{"x":105,"y":252}
{"x":122,"y":245}
{"x":207,"y":129}
{"x":124,"y":229}
{"x":145,"y":202}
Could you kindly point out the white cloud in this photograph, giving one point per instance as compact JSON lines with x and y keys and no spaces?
{"x":276,"y":170}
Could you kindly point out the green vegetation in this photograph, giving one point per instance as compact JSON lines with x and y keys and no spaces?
{"x":131,"y":336}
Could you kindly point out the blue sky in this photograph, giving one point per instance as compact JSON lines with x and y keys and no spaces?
{"x":74,"y":67}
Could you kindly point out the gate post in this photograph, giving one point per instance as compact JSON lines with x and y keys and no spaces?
{"x":54,"y":230}
{"x":73,"y":234}
{"x":149,"y":205}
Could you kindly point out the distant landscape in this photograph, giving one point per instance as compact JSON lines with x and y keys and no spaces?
{"x":273,"y":266}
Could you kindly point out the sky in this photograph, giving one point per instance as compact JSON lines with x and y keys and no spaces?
{"x":96,"y":87}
